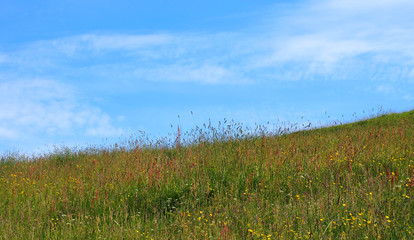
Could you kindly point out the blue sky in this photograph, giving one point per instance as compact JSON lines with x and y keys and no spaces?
{"x":79,"y":73}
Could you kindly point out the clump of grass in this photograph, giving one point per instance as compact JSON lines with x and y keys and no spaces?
{"x":227,"y":182}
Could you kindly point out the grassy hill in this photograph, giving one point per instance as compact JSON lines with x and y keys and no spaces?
{"x":352,"y":181}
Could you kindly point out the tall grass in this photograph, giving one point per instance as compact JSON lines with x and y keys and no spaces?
{"x":344,"y":182}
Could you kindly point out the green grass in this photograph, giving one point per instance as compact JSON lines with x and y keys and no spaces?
{"x":353,"y":181}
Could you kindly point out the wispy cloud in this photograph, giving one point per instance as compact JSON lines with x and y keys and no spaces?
{"x":341,"y":38}
{"x":204,"y":74}
{"x":307,"y":40}
{"x":95,"y":44}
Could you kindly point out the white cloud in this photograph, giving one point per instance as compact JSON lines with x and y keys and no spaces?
{"x":93,"y":43}
{"x":317,"y":53}
{"x":7,"y":133}
{"x":38,"y":106}
{"x":366,"y":5}
{"x":386,"y":89}
{"x":128,"y":42}
{"x":79,"y":44}
{"x":339,"y":40}
{"x":204,"y":74}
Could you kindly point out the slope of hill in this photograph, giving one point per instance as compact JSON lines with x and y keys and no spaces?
{"x":343,"y":182}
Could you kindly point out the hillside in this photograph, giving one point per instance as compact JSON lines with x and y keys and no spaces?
{"x":343,"y":182}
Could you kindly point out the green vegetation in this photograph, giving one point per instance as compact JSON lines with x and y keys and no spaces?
{"x":352,"y":181}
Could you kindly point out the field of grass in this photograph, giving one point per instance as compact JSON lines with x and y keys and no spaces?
{"x":353,"y":181}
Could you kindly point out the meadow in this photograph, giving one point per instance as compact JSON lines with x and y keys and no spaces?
{"x":351,"y":181}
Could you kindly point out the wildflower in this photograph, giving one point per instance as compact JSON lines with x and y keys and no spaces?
{"x":388,"y":219}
